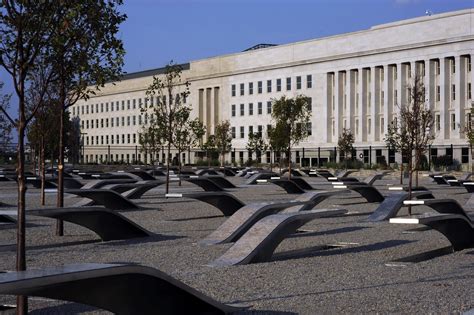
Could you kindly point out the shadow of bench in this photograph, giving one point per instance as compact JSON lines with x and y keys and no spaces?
{"x":107,"y":198}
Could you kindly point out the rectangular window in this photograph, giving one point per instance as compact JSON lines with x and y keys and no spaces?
{"x":128,"y":138}
{"x":242,"y":109}
{"x":310,"y":104}
{"x":242,"y":89}
{"x":233,"y":89}
{"x":309,"y":129}
{"x":298,"y":82}
{"x":233,"y":110}
{"x":250,"y":109}
{"x":128,"y":104}
{"x":469,"y":91}
{"x":101,"y":107}
{"x":134,"y":120}
{"x":438,"y":67}
{"x":309,"y":81}
{"x":453,"y":66}
{"x":106,"y":107}
{"x":233,"y":132}
{"x":242,"y":132}
{"x":111,"y":122}
{"x":250,"y":88}
{"x":134,"y":138}
{"x":438,"y":93}
{"x":288,"y":84}
{"x":464,"y":155}
{"x":278,"y":85}
{"x":453,"y":121}
{"x":469,"y":64}
{"x":453,"y":92}
{"x":260,"y":129}
{"x":269,"y":107}
{"x":260,"y":87}
{"x":269,"y":86}
{"x":269,"y":128}
{"x":139,"y":119}
{"x":438,"y":122}
{"x":123,"y":121}
{"x":250,"y":130}
{"x":369,"y":126}
{"x":259,"y":108}
{"x":106,"y":123}
{"x":128,"y":120}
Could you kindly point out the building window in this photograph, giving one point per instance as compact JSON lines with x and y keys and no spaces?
{"x":468,"y":63}
{"x":453,"y":92}
{"x":310,"y":104}
{"x":111,"y":122}
{"x":309,"y":81}
{"x":288,"y":84}
{"x":128,"y":138}
{"x":106,"y":107}
{"x":242,"y":89}
{"x":242,"y":132}
{"x":106,"y":123}
{"x":233,"y":132}
{"x":101,"y":107}
{"x":464,"y":155}
{"x":309,"y":128}
{"x":453,"y":66}
{"x":298,"y":82}
{"x":453,"y":121}
{"x":269,"y":86}
{"x":438,"y":93}
{"x":250,"y":88}
{"x":438,"y":67}
{"x":278,"y":85}
{"x":260,"y":87}
{"x":259,"y":108}
{"x":134,"y":138}
{"x":260,"y":129}
{"x":128,"y":120}
{"x":250,"y":130}
{"x":369,"y":126}
{"x":233,"y":110}
{"x":269,"y":107}
{"x":469,"y":91}
{"x":357,"y":126}
{"x":134,"y":121}
{"x":250,"y":109}
{"x":242,"y":109}
{"x":233,"y":89}
{"x":438,"y":122}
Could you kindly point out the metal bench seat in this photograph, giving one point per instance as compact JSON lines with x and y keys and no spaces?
{"x":118,"y":288}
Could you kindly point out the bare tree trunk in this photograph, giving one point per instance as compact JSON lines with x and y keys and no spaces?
{"x":22,"y":301}
{"x":168,"y":168}
{"x":42,"y":166}
{"x":60,"y":199}
{"x":179,"y":168}
{"x":410,"y":182}
{"x":401,"y":172}
{"x":289,"y":163}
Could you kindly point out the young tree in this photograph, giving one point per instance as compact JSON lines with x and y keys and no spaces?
{"x":26,"y":31}
{"x":414,"y":133}
{"x":277,"y":139}
{"x":223,"y":138}
{"x":210,"y":148}
{"x":150,"y":140}
{"x":187,"y":133}
{"x":295,"y":115}
{"x":345,"y":144}
{"x":85,"y":54}
{"x":257,"y":144}
{"x":171,"y":93}
{"x":73,"y":136}
{"x":468,"y":131}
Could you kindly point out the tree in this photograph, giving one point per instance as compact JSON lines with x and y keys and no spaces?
{"x":345,"y":144}
{"x":26,"y":31}
{"x":292,"y":117}
{"x":468,"y":131}
{"x":5,"y":126}
{"x":277,"y":139}
{"x":394,"y":141}
{"x":187,"y":133}
{"x":210,"y":148}
{"x":171,"y":93}
{"x":257,"y":144}
{"x":85,"y":54}
{"x":73,"y":136}
{"x":414,"y":133}
{"x":150,"y":140}
{"x":223,"y":139}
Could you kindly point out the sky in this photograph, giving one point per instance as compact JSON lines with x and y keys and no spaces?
{"x":158,"y":31}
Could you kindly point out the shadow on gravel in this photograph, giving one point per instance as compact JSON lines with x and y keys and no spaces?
{"x":330,"y":250}
{"x":333,"y":231}
{"x":143,"y":240}
{"x":197,"y":218}
{"x":68,"y":308}
{"x":7,"y":226}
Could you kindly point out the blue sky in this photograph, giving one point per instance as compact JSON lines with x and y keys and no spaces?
{"x":158,"y":31}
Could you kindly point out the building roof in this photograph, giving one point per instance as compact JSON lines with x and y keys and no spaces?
{"x":151,"y":72}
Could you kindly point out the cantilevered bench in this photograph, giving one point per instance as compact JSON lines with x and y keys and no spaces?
{"x":243,"y":219}
{"x":252,"y":180}
{"x":118,"y":288}
{"x":443,"y":179}
{"x":108,"y":198}
{"x":207,"y":171}
{"x":352,"y":180}
{"x":99,"y":183}
{"x":290,"y":186}
{"x":220,"y":181}
{"x":227,"y":203}
{"x":204,"y":183}
{"x":457,"y":228}
{"x":107,"y":224}
{"x":135,"y":191}
{"x":142,"y":174}
{"x":393,"y":202}
{"x":469,"y":186}
{"x":446,"y":206}
{"x":260,"y":241}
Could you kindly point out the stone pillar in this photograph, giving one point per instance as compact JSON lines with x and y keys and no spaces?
{"x":351,"y":94}
{"x":444,"y":83}
{"x":387,"y":109}
{"x":337,"y":104}
{"x":362,"y":106}
{"x":460,"y":103}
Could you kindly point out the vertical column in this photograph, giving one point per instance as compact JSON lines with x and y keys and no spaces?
{"x":374,"y":104}
{"x":208,"y":111}
{"x":444,"y":96}
{"x":430,"y":85}
{"x":387,"y":110}
{"x":201,"y":105}
{"x":362,"y":106}
{"x":216,"y":106}
{"x":398,"y":86}
{"x":460,"y":104}
{"x":351,"y":99}
{"x":327,"y":110}
{"x":337,"y":99}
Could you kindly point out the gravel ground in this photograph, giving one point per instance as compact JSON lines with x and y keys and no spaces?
{"x":360,"y":274}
